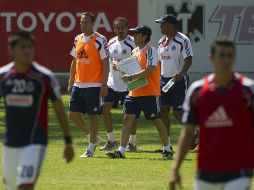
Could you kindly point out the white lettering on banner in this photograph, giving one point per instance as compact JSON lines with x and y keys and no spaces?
{"x":8,"y":19}
{"x":21,"y":18}
{"x":184,"y":17}
{"x":59,"y":19}
{"x":102,"y":22}
{"x":47,"y":20}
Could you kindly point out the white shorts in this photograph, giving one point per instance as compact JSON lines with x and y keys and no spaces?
{"x":243,"y":183}
{"x":22,"y":165}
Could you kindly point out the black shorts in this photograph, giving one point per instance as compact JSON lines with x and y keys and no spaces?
{"x":150,"y":105}
{"x":85,"y":100}
{"x":176,"y":94}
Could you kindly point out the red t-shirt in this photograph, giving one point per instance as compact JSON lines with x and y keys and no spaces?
{"x":226,"y":119}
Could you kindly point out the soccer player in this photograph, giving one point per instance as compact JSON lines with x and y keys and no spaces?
{"x":25,"y":87}
{"x":175,"y":57}
{"x":88,"y":79}
{"x":222,"y":104}
{"x":120,"y":48}
{"x":145,"y":98}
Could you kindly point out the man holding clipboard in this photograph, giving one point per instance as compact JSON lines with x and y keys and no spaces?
{"x":145,"y":98}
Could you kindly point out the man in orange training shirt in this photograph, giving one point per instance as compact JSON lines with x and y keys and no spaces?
{"x":145,"y":98}
{"x":88,"y":79}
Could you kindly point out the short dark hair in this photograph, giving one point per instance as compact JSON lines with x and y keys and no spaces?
{"x":14,"y":38}
{"x":89,"y":14}
{"x":121,"y":19}
{"x":221,"y":41}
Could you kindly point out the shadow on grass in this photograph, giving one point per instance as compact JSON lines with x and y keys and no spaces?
{"x":137,"y":158}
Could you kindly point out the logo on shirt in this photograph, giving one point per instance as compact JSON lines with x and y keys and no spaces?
{"x":82,"y":54}
{"x":173,"y":48}
{"x":219,"y":118}
{"x":18,"y":100}
{"x":124,"y":51}
{"x":115,"y":51}
{"x":83,"y":58}
{"x":190,"y":18}
{"x":166,"y":57}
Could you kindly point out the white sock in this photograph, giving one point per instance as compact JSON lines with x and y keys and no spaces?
{"x":167,"y":148}
{"x":132,"y":139}
{"x":91,"y":147}
{"x":111,"y":136}
{"x":122,"y":150}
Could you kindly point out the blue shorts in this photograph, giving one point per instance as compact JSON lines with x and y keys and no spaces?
{"x":114,"y":96}
{"x":85,"y":100}
{"x":150,"y":105}
{"x":176,"y":94}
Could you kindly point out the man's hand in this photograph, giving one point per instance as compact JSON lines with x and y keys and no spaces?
{"x":174,"y":179}
{"x":125,"y":78}
{"x":68,"y":153}
{"x":70,"y":85}
{"x":104,"y":90}
{"x":178,"y":77}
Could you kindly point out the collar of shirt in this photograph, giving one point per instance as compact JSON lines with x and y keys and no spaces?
{"x":219,"y":88}
{"x":86,"y":38}
{"x":140,"y":50}
{"x":169,"y":39}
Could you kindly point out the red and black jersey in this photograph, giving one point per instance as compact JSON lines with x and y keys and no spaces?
{"x":226,"y":119}
{"x":26,"y":103}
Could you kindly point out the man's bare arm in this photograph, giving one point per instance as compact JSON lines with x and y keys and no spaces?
{"x":72,"y":74}
{"x":63,"y":122}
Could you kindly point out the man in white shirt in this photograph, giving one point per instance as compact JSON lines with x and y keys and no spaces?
{"x":120,"y":48}
{"x":175,"y":56}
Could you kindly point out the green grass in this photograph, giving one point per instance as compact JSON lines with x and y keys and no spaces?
{"x":141,"y":170}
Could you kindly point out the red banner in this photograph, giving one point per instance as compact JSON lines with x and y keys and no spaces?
{"x":56,"y":23}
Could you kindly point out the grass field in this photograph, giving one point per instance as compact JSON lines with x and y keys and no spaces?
{"x":143,"y":170}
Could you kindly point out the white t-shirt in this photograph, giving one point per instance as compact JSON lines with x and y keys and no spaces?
{"x":172,"y":52}
{"x":119,"y":50}
{"x":101,"y":45}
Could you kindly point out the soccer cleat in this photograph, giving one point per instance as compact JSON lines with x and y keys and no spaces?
{"x":109,"y":146}
{"x":161,"y":149}
{"x":167,"y":154}
{"x":87,"y":154}
{"x":131,"y":148}
{"x":115,"y":155}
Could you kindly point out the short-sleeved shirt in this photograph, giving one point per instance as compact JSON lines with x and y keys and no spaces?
{"x":26,"y":103}
{"x":172,"y":52}
{"x":102,"y":47}
{"x":226,"y":119}
{"x":119,"y":50}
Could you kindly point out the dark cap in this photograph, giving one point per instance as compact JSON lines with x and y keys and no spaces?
{"x":142,"y":29}
{"x":167,"y":18}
